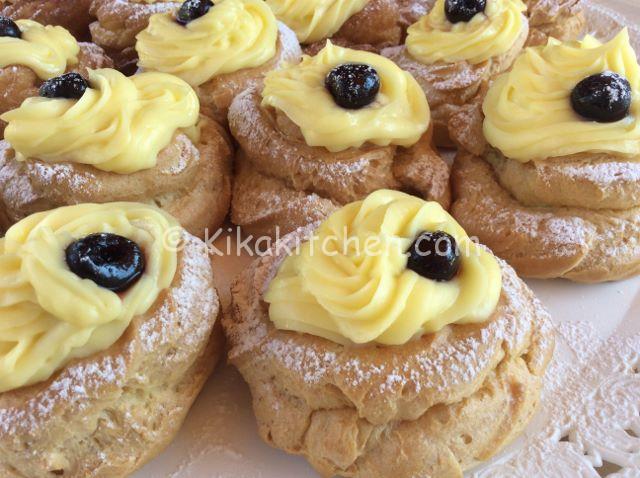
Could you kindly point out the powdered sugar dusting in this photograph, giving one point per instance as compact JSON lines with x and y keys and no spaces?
{"x":17,"y":186}
{"x":606,"y":173}
{"x":557,"y":235}
{"x":192,"y":292}
{"x":312,"y":364}
{"x":74,"y":387}
{"x":63,"y":173}
{"x":138,"y":10}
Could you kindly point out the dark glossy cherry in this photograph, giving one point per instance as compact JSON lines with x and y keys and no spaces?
{"x":69,"y":85}
{"x":604,"y":97}
{"x":353,"y":85}
{"x":192,"y":9}
{"x":111,"y":261}
{"x":463,"y":10}
{"x":9,"y":28}
{"x":434,"y":255}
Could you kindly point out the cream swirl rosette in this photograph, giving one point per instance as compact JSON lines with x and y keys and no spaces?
{"x":49,"y":315}
{"x":119,"y":125}
{"x":47,"y":50}
{"x":233,"y":35}
{"x":350,"y":282}
{"x":528,"y":112}
{"x":315,"y":20}
{"x":487,"y":35}
{"x":400,"y":114}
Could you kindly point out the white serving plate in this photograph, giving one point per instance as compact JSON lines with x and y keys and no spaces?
{"x":598,"y":351}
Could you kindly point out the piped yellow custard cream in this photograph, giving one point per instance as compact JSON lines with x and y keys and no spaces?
{"x":359,"y":280}
{"x":47,"y":50}
{"x":529,"y":112}
{"x":487,"y":35}
{"x":52,"y":308}
{"x":315,"y":20}
{"x":231,"y":36}
{"x":119,"y":124}
{"x":398,"y":115}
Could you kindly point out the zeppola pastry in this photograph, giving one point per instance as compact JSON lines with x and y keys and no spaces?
{"x":554,"y":189}
{"x":109,"y":331}
{"x":31,"y":53}
{"x":388,"y":343}
{"x":117,"y":22}
{"x":71,"y":14}
{"x":367,"y":23}
{"x":219,"y":50}
{"x":326,"y":132}
{"x":457,"y":48}
{"x":112,"y":138}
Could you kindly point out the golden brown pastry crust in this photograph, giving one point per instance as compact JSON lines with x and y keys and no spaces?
{"x":411,"y":11}
{"x":382,"y":23}
{"x":283,"y":183}
{"x":466,"y":125}
{"x":71,"y":14}
{"x":570,"y":240}
{"x":217,"y":94}
{"x":450,"y":86}
{"x":561,"y":19}
{"x":117,"y":22}
{"x":191,"y":182}
{"x":17,"y":83}
{"x":377,"y":24}
{"x":266,"y":206}
{"x":587,"y":180}
{"x":108,"y":414}
{"x":429,"y":408}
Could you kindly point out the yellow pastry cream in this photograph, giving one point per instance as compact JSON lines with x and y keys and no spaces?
{"x":528,"y":111}
{"x":47,"y":50}
{"x":487,"y":35}
{"x":233,"y":35}
{"x":350,"y":282}
{"x":119,"y":124}
{"x":48,"y":314}
{"x":315,"y":20}
{"x":400,"y":114}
